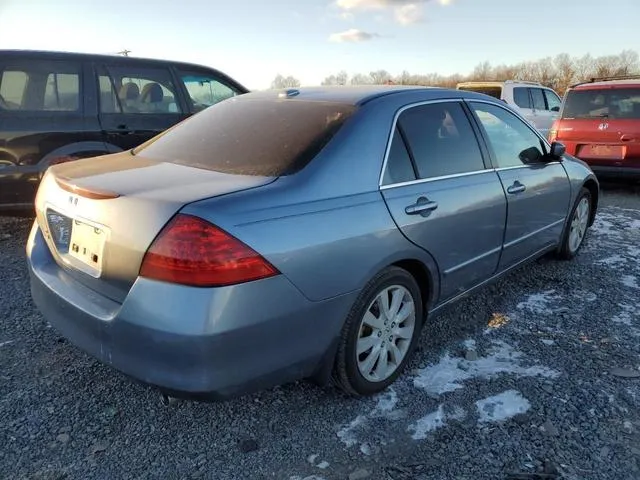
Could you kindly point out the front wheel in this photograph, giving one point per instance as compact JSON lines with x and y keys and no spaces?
{"x":576,"y":229}
{"x":380,"y":333}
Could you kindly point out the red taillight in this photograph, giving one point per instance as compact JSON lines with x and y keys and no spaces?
{"x":191,"y":251}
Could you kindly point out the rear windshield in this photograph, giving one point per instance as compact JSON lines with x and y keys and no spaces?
{"x":606,"y":103}
{"x":262,"y":137}
{"x":495,"y":92}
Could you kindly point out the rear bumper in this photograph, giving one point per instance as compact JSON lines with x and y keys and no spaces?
{"x":616,"y":172}
{"x":216,"y":342}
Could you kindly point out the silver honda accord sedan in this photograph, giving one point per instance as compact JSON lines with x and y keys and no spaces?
{"x":304,"y":233}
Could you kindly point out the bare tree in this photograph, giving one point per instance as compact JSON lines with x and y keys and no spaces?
{"x":361,"y":79}
{"x":380,"y":77}
{"x":285,"y":82}
{"x":339,"y":79}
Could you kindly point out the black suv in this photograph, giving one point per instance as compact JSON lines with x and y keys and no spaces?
{"x":58,"y":106}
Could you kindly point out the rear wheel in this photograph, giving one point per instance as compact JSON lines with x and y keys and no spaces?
{"x":380,"y":333}
{"x":577,"y":227}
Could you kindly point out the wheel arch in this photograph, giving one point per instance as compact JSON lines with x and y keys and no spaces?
{"x":591,"y":185}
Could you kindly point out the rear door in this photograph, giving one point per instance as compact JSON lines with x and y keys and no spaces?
{"x":137,"y":102}
{"x":602,"y":126}
{"x":442,"y":196}
{"x":537,"y":190}
{"x":546,"y":106}
{"x":522,"y":99}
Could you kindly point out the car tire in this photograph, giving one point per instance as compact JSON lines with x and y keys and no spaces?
{"x":578,"y":219}
{"x":394,"y":337}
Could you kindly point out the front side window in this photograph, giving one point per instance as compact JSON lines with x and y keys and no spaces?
{"x":441,"y":140}
{"x":513,"y":143}
{"x":40,"y":87}
{"x":621,"y":103}
{"x":142,"y":90}
{"x":205,"y":90}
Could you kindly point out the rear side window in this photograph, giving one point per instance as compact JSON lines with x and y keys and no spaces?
{"x":441,"y":140}
{"x":521,"y":97}
{"x":621,"y":103}
{"x":538,"y":99}
{"x":35,"y":86}
{"x":262,"y":137}
{"x":137,"y":90}
{"x":553,"y":101}
{"x":399,"y":168}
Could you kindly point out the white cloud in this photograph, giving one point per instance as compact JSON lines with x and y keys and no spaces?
{"x":352,"y":35}
{"x":409,"y":14}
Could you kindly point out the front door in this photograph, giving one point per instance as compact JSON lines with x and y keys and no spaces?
{"x":442,"y":196}
{"x":537,"y":190}
{"x":137,"y":103}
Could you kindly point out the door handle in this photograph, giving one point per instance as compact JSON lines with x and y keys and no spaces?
{"x":423,"y":205}
{"x":626,"y":138}
{"x":122,"y":129}
{"x":517,"y":187}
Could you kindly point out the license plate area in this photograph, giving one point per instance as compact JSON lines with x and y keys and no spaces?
{"x":87,"y":244}
{"x":609,"y":152}
{"x":80,"y":244}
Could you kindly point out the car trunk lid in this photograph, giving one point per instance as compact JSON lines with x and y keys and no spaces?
{"x":100,"y":215}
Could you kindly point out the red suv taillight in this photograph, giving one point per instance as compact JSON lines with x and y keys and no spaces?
{"x":192,"y":251}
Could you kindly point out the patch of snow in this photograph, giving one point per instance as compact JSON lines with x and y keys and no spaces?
{"x":4,"y":344}
{"x":433,"y":421}
{"x":628,"y":313}
{"x":366,"y":449}
{"x":385,"y":407}
{"x":502,"y":407}
{"x":630,"y":281}
{"x":612,"y":261}
{"x":323,"y":465}
{"x":449,"y":374}
{"x":470,"y":344}
{"x":548,"y":341}
{"x":539,"y":302}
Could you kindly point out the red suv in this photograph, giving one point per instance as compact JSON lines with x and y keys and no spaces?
{"x":600,"y":124}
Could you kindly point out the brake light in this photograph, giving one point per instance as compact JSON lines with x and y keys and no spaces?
{"x":192,"y":251}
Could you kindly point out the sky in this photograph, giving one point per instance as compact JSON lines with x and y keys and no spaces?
{"x":254,"y":40}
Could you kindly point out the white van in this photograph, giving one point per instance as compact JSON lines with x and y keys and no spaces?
{"x":540,"y":105}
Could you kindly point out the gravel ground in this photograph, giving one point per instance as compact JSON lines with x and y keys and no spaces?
{"x":529,"y":375}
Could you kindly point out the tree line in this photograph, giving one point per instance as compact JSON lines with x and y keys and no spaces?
{"x":557,"y":72}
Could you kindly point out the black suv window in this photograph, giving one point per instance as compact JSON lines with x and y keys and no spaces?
{"x":137,"y":90}
{"x":521,"y":97}
{"x":512,"y":141}
{"x":205,"y":90}
{"x":441,"y":140}
{"x":40,"y":87}
{"x":553,"y":101}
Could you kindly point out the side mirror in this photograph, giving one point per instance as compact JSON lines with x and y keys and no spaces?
{"x":557,"y":150}
{"x":555,"y":109}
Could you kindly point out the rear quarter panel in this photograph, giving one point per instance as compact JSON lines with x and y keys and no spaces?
{"x":327,"y":227}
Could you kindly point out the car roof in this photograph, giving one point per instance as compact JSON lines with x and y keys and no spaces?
{"x":361,"y":94}
{"x":622,"y":81}
{"x":79,"y":56}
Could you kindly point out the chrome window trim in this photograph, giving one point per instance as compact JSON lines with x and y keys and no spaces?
{"x":400,"y":111}
{"x":434,"y":179}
